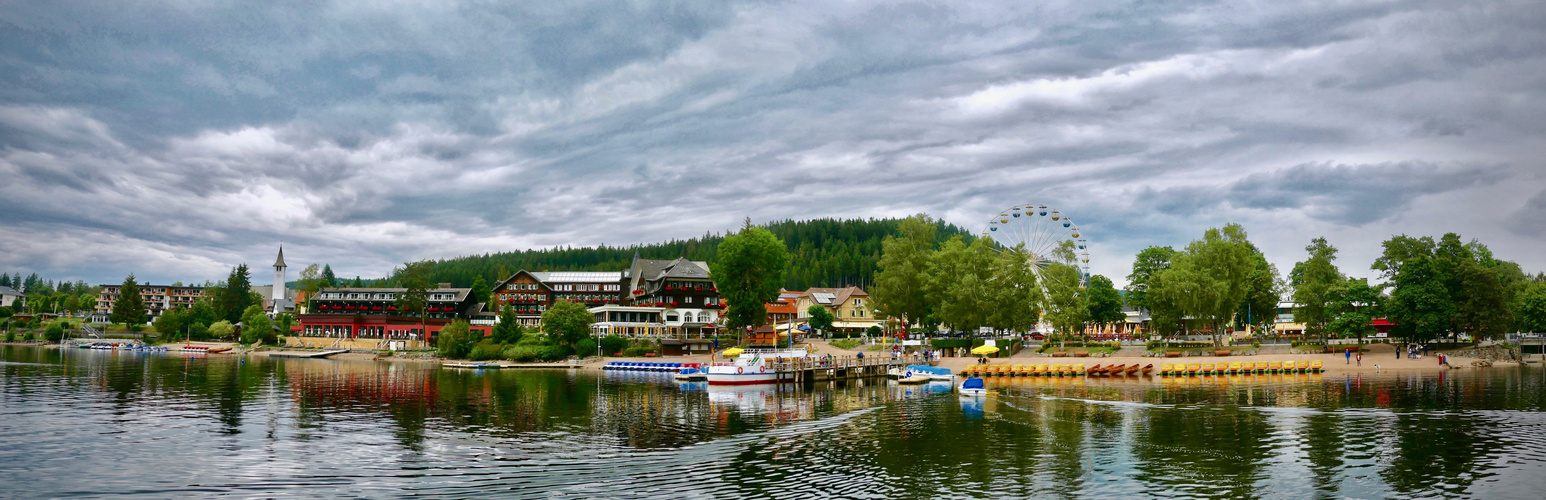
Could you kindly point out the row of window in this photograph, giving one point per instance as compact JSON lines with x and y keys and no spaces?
{"x":584,"y":287}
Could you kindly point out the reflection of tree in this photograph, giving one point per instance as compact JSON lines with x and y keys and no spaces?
{"x":1325,"y":437}
{"x":1219,"y":453}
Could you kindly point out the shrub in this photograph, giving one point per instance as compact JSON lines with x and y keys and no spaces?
{"x":28,"y":337}
{"x":586,"y":347}
{"x":10,"y":335}
{"x":554,"y":352}
{"x":484,"y":352}
{"x":454,"y":341}
{"x":612,"y":344}
{"x":54,"y":333}
{"x":198,"y":331}
{"x":520,"y":353}
{"x":635,"y":351}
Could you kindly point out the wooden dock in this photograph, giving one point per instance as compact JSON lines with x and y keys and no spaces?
{"x":819,"y":369}
{"x":292,"y":354}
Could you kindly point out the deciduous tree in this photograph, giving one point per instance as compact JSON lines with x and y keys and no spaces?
{"x":568,"y":322}
{"x":901,"y":279}
{"x":1314,"y":280}
{"x":750,"y":273}
{"x":1104,"y":302}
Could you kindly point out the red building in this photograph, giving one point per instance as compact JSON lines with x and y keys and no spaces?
{"x":372,"y":313}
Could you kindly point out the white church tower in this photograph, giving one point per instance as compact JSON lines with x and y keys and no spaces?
{"x":278,"y":295}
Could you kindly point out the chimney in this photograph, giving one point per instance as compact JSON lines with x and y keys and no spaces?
{"x":444,"y":286}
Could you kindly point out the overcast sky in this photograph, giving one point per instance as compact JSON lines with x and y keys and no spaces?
{"x":175,"y":140}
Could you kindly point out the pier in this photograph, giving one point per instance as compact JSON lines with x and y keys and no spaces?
{"x":820,"y":369}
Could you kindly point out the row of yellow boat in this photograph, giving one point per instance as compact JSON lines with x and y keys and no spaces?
{"x":1024,"y":370}
{"x":1240,"y":367}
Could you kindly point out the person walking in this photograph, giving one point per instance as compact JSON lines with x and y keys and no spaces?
{"x":1360,"y":359}
{"x":1347,"y":357}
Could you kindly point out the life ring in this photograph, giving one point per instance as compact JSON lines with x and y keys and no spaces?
{"x":762,"y":368}
{"x":739,"y":370}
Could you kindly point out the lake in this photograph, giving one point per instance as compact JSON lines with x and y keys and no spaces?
{"x":82,"y":422}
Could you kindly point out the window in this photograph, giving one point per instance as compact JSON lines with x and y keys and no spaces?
{"x":858,"y":302}
{"x":689,"y":299}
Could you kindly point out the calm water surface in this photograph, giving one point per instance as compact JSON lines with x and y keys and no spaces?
{"x":101,"y":423}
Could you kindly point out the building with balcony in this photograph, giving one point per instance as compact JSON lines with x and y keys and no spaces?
{"x":664,"y":299}
{"x":372,"y":313}
{"x":530,"y":293}
{"x":157,"y":298}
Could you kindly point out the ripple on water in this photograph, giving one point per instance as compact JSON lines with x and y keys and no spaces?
{"x":156,"y":425}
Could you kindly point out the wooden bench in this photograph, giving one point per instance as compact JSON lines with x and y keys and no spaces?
{"x":1221,"y":353}
{"x":1172,"y":354}
{"x":1082,"y":354}
{"x":1060,"y":354}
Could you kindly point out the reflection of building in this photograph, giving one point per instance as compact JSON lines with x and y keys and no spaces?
{"x":372,"y":313}
{"x":850,"y":306}
{"x":157,"y":299}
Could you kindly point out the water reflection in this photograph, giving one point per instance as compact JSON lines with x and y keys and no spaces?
{"x":102,"y":422}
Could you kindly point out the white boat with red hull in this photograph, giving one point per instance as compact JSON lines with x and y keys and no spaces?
{"x":753,"y":367}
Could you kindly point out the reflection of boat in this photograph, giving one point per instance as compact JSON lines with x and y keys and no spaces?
{"x":691,"y":374}
{"x":972,"y":387}
{"x":753,"y":367}
{"x":693,"y":386}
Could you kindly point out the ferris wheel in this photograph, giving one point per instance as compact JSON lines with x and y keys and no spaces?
{"x":1048,"y":235}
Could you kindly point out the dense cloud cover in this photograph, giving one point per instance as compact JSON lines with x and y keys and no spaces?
{"x":177,"y":139}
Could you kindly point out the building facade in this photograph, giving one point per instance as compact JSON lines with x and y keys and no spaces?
{"x":530,"y":293}
{"x":157,"y":298}
{"x":372,"y":313}
{"x":663,"y":299}
{"x":11,"y":298}
{"x":850,"y":306}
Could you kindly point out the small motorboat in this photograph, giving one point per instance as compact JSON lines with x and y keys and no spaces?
{"x":895,"y":372}
{"x":691,"y":375}
{"x":911,"y":377}
{"x":972,"y":387}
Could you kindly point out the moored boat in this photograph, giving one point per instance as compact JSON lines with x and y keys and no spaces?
{"x":753,"y":367}
{"x":691,"y":375}
{"x":972,"y":387}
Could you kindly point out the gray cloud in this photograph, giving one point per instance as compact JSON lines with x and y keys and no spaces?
{"x":368,"y":134}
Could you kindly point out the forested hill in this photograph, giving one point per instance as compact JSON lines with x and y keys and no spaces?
{"x":824,"y":253}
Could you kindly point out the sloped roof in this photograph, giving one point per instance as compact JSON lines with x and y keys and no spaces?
{"x":281,"y":261}
{"x":839,"y":295}
{"x":577,"y":277}
{"x":5,"y":290}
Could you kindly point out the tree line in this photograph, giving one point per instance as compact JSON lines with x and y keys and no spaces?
{"x":968,"y":284}
{"x":823,"y":253}
{"x":1432,"y":288}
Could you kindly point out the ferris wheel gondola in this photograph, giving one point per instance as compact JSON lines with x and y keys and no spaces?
{"x":1047,"y":234}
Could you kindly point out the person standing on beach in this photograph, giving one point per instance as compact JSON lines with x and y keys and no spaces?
{"x":1360,"y":359}
{"x":1348,"y":357}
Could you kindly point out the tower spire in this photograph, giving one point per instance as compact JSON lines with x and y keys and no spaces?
{"x":280,"y":263}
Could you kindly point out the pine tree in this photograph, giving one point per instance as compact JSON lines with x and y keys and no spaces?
{"x":130,"y":308}
{"x":236,"y":296}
